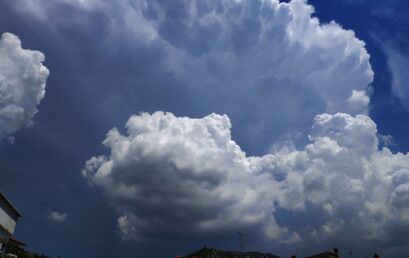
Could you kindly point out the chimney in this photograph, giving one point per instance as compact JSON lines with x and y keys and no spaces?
{"x":336,"y":252}
{"x":376,"y":256}
{"x":293,"y":256}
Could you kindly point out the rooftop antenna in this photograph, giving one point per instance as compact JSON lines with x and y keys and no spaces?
{"x":241,"y":241}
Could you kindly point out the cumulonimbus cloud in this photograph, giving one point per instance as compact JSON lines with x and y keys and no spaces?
{"x":273,"y":69}
{"x":22,"y":85}
{"x":248,"y":59}
{"x":178,"y":176}
{"x":170,"y":173}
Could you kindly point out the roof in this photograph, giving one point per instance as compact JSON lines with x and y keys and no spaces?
{"x":16,"y":242}
{"x":324,"y":254}
{"x":11,"y":240}
{"x":2,"y":197}
{"x":208,"y":251}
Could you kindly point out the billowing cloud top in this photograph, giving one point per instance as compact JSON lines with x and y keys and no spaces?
{"x":269,"y":56}
{"x":249,"y":59}
{"x":22,"y":85}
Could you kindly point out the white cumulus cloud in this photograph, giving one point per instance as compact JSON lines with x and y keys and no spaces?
{"x":22,"y":85}
{"x":181,"y":176}
{"x":176,"y":176}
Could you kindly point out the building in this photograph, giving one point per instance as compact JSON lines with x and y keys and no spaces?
{"x":333,"y":254}
{"x":209,"y":252}
{"x":8,"y":220}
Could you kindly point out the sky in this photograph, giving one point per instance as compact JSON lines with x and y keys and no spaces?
{"x":140,"y":128}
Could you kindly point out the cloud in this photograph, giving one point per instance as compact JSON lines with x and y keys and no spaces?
{"x":386,"y":140}
{"x":181,"y":173}
{"x":174,"y":176}
{"x":393,"y":43}
{"x":57,"y":216}
{"x":272,"y":68}
{"x":397,"y":60}
{"x":22,"y":85}
{"x":269,"y":65}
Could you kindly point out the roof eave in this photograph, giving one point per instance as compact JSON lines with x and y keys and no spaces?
{"x":11,"y":205}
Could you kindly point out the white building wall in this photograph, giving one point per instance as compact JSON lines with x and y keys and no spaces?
{"x":7,"y":221}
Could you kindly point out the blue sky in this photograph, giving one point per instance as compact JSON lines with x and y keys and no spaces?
{"x":149,"y":128}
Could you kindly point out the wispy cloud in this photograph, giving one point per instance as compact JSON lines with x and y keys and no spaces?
{"x":398,"y":61}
